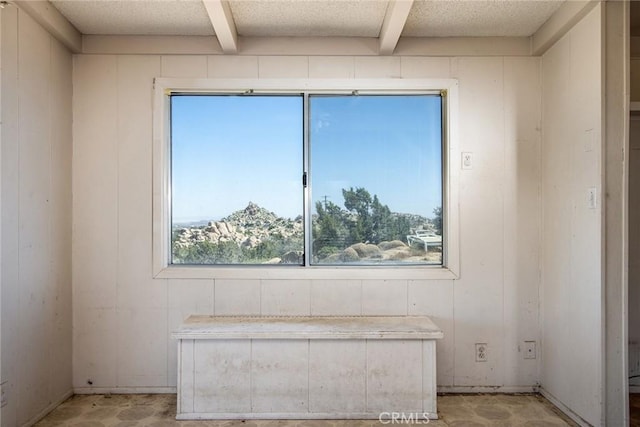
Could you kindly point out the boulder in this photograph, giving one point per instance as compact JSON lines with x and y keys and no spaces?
{"x":252,"y":209}
{"x":397,"y":254}
{"x":349,"y":255}
{"x":222,"y":228}
{"x":333,"y":259}
{"x":391,"y":245}
{"x":251,"y":242}
{"x":365,"y":250}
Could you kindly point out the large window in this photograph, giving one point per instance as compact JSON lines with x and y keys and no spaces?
{"x":305,"y":178}
{"x":371,"y":168}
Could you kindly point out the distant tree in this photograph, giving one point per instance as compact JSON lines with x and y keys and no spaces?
{"x":358,"y":201}
{"x":329,"y":227}
{"x":383,"y":222}
{"x":363,"y":219}
{"x":374,"y":221}
{"x":401,"y":227}
{"x":437,"y":220}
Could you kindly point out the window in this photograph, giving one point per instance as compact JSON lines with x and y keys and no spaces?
{"x":236,"y":178}
{"x":314,"y":177}
{"x":376,"y":179}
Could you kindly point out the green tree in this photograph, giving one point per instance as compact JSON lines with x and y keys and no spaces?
{"x":437,"y":220}
{"x":400,"y":228}
{"x":329,"y":228}
{"x":382,"y":221}
{"x":363,"y":219}
{"x":373,"y":221}
{"x":358,"y":202}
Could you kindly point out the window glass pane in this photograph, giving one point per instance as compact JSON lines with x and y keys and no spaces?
{"x":376,"y":179}
{"x":236,"y":191}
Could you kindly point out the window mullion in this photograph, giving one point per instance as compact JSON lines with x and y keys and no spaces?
{"x":307,"y":188}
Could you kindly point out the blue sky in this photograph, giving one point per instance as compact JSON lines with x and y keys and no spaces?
{"x":229,"y":150}
{"x":389,"y":145}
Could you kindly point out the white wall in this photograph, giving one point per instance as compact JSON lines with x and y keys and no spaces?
{"x":572,"y":258}
{"x":36,"y":218}
{"x":122,"y":317}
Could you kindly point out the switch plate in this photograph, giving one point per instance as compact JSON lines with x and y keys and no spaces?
{"x":589,"y":140}
{"x":592,"y":198}
{"x":467,"y":160}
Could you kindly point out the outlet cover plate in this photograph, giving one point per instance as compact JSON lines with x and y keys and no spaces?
{"x":481,"y":352}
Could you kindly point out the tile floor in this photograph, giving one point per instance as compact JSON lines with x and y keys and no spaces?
{"x":159,"y":410}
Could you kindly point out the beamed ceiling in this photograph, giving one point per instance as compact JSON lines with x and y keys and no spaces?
{"x":382,"y":19}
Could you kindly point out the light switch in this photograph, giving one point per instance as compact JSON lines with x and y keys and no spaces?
{"x":592,"y":198}
{"x":589,"y":140}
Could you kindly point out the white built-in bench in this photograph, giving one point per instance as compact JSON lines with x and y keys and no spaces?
{"x":306,"y":367}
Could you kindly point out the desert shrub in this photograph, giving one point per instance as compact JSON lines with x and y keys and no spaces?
{"x":207,"y":252}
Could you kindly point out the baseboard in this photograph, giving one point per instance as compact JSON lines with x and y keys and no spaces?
{"x":172,"y":390}
{"x":125,"y":390}
{"x":487,"y":389}
{"x":564,"y":408}
{"x":48,"y":409}
{"x":382,"y":417}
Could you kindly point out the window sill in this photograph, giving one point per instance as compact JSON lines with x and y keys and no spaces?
{"x":308,"y":273}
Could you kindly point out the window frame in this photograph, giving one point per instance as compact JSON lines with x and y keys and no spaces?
{"x":165,"y":87}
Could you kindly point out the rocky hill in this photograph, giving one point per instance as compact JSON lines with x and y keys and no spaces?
{"x":247,"y":228}
{"x":253,"y":231}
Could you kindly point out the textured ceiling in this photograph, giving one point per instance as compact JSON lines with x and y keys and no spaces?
{"x":478,"y":18}
{"x":152,"y":17}
{"x":350,"y":18}
{"x":309,"y":18}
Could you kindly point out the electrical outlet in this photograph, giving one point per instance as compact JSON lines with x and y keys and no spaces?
{"x":481,"y":352}
{"x":467,"y":161}
{"x":529,"y":349}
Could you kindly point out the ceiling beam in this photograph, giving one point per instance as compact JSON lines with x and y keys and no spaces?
{"x":221,"y":18}
{"x":54,"y":22}
{"x":567,"y":15}
{"x":394,"y":20}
